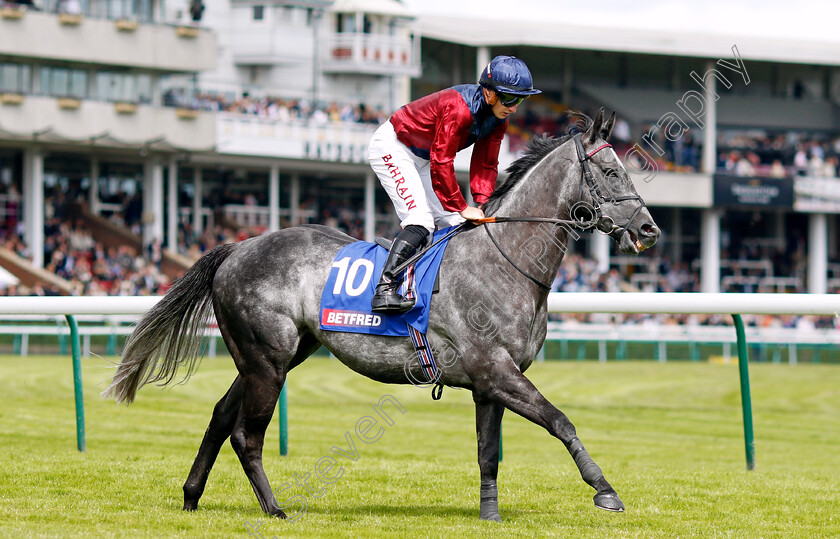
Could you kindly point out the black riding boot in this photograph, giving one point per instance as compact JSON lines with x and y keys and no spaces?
{"x":387,"y":299}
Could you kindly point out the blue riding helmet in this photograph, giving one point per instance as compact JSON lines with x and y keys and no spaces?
{"x":509,"y":75}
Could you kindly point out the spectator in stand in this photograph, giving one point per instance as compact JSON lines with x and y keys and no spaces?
{"x":744,"y":166}
{"x":800,"y":161}
{"x":777,"y":170}
{"x":621,"y":131}
{"x":815,"y":165}
{"x":829,"y":169}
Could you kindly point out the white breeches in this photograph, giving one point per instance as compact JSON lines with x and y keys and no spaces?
{"x":407,"y":180}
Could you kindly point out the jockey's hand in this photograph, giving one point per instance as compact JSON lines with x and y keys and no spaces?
{"x":469,"y":213}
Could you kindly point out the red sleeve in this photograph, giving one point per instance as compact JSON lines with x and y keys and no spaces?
{"x":452,"y":125}
{"x":484,"y":166}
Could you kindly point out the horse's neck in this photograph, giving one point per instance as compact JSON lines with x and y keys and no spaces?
{"x":548,"y":190}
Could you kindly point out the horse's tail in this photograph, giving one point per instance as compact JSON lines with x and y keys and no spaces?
{"x":173,"y":328}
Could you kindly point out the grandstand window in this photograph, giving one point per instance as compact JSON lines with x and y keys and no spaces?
{"x":63,"y":82}
{"x":802,"y":82}
{"x":297,"y":16}
{"x":140,"y":10}
{"x":345,"y":23}
{"x":15,"y":78}
{"x":259,"y":13}
{"x":124,"y":87}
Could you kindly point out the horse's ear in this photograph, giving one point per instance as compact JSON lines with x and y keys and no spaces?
{"x":595,"y":130}
{"x":606,"y":131}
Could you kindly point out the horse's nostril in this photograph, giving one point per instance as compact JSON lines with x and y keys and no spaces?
{"x":650,"y":229}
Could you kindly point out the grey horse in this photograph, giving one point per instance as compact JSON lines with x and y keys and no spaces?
{"x":265,"y":293}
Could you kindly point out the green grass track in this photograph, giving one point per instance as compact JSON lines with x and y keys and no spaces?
{"x":669,"y":437}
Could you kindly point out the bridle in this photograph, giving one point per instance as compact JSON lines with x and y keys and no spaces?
{"x":604,"y":224}
{"x":579,"y":220}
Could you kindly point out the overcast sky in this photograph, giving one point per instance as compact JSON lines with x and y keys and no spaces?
{"x":808,"y":19}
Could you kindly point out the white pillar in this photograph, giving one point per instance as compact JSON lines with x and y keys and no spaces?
{"x":198,"y":199}
{"x":710,"y":127}
{"x":370,"y":207}
{"x":274,"y":198}
{"x":599,"y":250}
{"x":402,"y":95}
{"x":172,"y":218}
{"x":157,"y":200}
{"x":482,"y":58}
{"x":147,"y":216}
{"x":152,"y":201}
{"x":33,"y":204}
{"x":294,"y":200}
{"x":93,"y":193}
{"x":817,"y":253}
{"x":710,"y":249}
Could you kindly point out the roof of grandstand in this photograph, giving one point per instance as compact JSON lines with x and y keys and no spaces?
{"x":678,"y":42}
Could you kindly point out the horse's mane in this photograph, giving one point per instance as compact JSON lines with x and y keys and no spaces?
{"x":538,"y":147}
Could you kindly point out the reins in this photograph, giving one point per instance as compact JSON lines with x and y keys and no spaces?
{"x":580,"y":224}
{"x":593,"y":209}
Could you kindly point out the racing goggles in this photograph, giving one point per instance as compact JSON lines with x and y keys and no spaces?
{"x":510,"y":100}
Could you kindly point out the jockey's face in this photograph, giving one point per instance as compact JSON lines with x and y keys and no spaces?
{"x":500,"y":111}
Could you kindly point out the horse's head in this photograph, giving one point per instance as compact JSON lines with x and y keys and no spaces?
{"x":619,"y":211}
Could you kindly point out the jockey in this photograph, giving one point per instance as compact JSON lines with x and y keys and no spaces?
{"x":413,"y":153}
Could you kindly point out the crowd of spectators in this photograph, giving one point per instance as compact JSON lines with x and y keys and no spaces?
{"x":71,"y":253}
{"x":740,"y":152}
{"x":275,"y":108}
{"x":794,"y":154}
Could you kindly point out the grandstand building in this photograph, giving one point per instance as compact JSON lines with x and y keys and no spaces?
{"x":257,"y":117}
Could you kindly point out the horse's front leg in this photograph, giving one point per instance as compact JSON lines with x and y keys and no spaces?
{"x":503,"y":383}
{"x":488,"y":426}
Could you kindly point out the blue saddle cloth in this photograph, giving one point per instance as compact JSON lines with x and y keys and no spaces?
{"x":345,"y":300}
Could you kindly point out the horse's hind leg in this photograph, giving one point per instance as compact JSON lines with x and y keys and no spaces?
{"x":263,"y":360}
{"x":488,"y":426}
{"x":503,"y":383}
{"x":221,"y":425}
{"x":248,"y":434}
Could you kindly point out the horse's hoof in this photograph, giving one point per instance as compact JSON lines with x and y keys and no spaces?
{"x":492,"y":517}
{"x":276,"y":512}
{"x":609,"y":502}
{"x":190,"y":506}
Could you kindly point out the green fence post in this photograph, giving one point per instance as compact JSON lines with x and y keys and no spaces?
{"x":283,"y":421}
{"x":746,"y":400}
{"x":111,"y":347}
{"x":77,"y":383}
{"x":500,"y":443}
